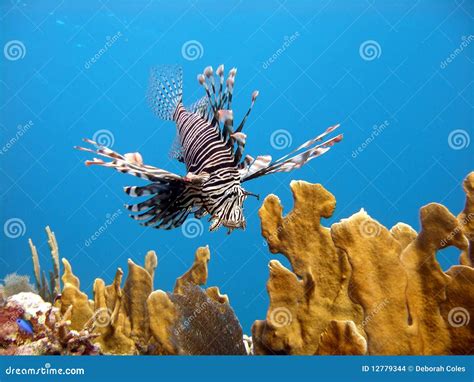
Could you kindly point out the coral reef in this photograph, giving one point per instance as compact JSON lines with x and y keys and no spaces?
{"x":359,"y":288}
{"x":137,"y":320}
{"x":354,"y":288}
{"x":48,"y":290}
{"x":50,"y":330}
{"x":129,"y":320}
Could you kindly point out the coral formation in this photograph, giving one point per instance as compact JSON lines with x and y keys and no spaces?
{"x":48,"y":290}
{"x":129,"y":320}
{"x":353,"y":288}
{"x":359,"y":288}
{"x":137,"y":320}
{"x":14,"y":283}
{"x":466,"y":221}
{"x":50,"y":330}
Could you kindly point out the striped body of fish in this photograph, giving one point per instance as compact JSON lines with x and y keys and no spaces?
{"x":212,"y":150}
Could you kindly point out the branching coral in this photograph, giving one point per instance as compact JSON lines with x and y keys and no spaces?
{"x":359,"y":288}
{"x":354,"y":288}
{"x":138,"y":320}
{"x":50,"y":330}
{"x":48,"y":290}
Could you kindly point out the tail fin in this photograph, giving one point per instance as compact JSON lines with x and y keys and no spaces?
{"x":165,"y":90}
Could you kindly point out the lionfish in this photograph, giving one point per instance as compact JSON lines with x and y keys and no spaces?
{"x":210,"y":148}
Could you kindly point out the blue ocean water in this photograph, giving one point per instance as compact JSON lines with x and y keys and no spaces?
{"x":397,"y":75}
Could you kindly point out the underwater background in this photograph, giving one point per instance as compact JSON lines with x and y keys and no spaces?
{"x":397,"y":75}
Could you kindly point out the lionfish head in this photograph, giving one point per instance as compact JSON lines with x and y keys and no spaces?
{"x":230,"y":212}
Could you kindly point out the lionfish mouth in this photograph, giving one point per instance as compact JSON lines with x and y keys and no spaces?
{"x":230,"y":224}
